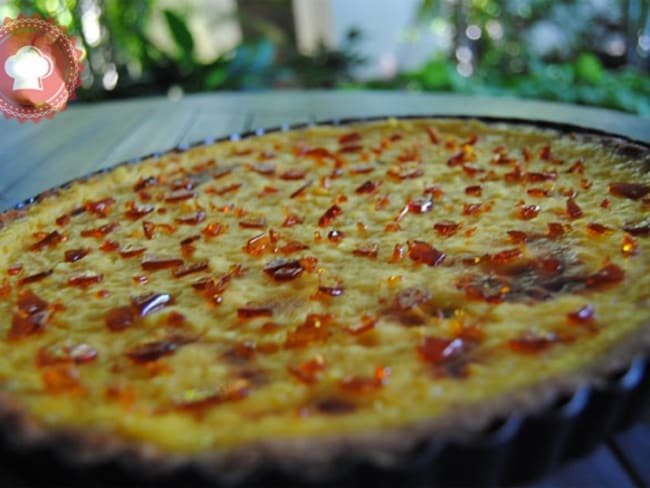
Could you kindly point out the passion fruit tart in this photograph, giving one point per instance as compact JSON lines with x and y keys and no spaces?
{"x":312,"y":293}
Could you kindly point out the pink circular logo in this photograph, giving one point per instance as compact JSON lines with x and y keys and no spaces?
{"x":40,"y":68}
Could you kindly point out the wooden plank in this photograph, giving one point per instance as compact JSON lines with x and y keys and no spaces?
{"x":327,"y":104}
{"x":633,"y":448}
{"x":266,"y":119}
{"x":601,"y":469}
{"x":208,"y":125}
{"x":72,"y":150}
{"x":161,"y":129}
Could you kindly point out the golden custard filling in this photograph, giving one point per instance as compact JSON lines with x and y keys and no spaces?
{"x":321,"y":282}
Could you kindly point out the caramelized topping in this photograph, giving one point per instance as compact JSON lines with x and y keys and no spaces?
{"x":257,"y":245}
{"x":135,"y":212}
{"x":293,"y":174}
{"x":405,"y":172}
{"x":266,"y":169}
{"x":86,"y":279}
{"x":65,"y":352}
{"x":152,"y":351}
{"x":472,"y":208}
{"x":596,"y":229}
{"x":148,"y":228}
{"x":368,"y":187}
{"x":633,"y":191}
{"x":62,"y":379}
{"x":30,"y":303}
{"x":198,"y":401}
{"x":257,"y":223}
{"x":368,"y":323}
{"x":420,"y":206}
{"x":349,"y":138}
{"x":191,"y":219}
{"x":637,"y":229}
{"x":251,"y":311}
{"x":628,"y":245}
{"x":474,"y":190}
{"x":308,"y":371}
{"x":30,"y":317}
{"x":190,"y":269}
{"x":517,"y":236}
{"x":528,"y":212}
{"x":608,"y":275}
{"x":314,"y":329}
{"x":100,"y":231}
{"x":364,"y":385}
{"x":335,"y":235}
{"x":35,"y":277}
{"x":100,"y":208}
{"x":131,"y":251}
{"x":540,"y":177}
{"x":329,"y":215}
{"x":291,"y":219}
{"x":223,"y":190}
{"x":584,"y":315}
{"x":301,"y":190}
{"x":446,"y":228}
{"x":572,"y":209}
{"x":50,"y":240}
{"x":151,"y":302}
{"x":282,"y":269}
{"x":424,"y":253}
{"x":505,"y":256}
{"x":368,"y":250}
{"x":74,"y":255}
{"x":532,"y":344}
{"x":433,"y":135}
{"x":119,"y":318}
{"x":538,"y":192}
{"x":330,"y":286}
{"x":437,"y":350}
{"x":156,"y":262}
{"x":555,"y":229}
{"x":145,"y":182}
{"x":179,"y":196}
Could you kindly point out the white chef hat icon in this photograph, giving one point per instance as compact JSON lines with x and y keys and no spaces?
{"x":28,"y":67}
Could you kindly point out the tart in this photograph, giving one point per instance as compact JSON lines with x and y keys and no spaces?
{"x":327,"y":291}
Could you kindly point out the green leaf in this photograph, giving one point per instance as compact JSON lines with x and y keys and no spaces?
{"x":436,"y":75}
{"x":181,"y":34}
{"x":589,"y":68}
{"x":215,"y":78}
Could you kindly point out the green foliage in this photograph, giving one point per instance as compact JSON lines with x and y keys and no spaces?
{"x":582,"y":81}
{"x":182,"y":38}
{"x":268,"y":58}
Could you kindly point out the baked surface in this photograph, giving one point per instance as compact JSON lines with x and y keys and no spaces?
{"x":324,"y":285}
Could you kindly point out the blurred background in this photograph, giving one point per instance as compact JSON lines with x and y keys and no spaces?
{"x":594,"y":52}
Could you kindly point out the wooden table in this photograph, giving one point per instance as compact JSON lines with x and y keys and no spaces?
{"x":88,"y":137}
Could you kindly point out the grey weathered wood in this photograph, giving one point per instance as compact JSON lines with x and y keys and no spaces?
{"x":207,"y":124}
{"x":262,"y":119}
{"x":80,"y":143}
